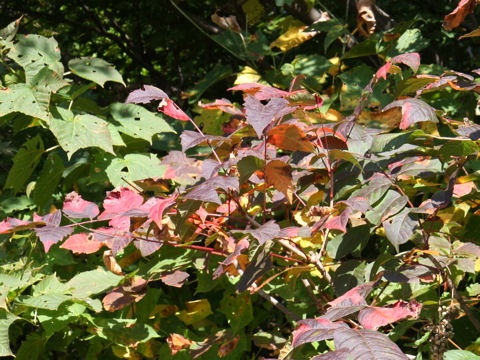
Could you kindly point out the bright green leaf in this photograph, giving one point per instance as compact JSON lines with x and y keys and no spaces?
{"x":94,"y":69}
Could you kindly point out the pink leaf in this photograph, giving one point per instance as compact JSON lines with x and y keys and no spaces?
{"x":460,"y":190}
{"x":145,"y":95}
{"x":412,"y":60}
{"x":374,"y":317}
{"x":176,"y":279}
{"x":339,"y":222}
{"x":268,"y":231}
{"x":156,"y":211}
{"x":260,"y":91}
{"x":206,"y":191}
{"x":75,"y":207}
{"x":190,"y":139}
{"x":119,"y":202}
{"x":413,"y":111}
{"x":222,"y":104}
{"x":312,"y":330}
{"x":50,"y":235}
{"x":168,"y":107}
{"x":82,"y":243}
{"x":383,"y":71}
{"x":355,"y":296}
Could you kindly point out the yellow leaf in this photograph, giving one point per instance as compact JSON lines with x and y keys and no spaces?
{"x":247,"y":75}
{"x":195,"y":311}
{"x":335,"y":68}
{"x":253,"y":10}
{"x":293,"y":37}
{"x":475,"y":32}
{"x":477,"y":265}
{"x":163,"y":310}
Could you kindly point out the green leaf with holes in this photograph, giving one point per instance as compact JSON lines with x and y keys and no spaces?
{"x":134,"y":167}
{"x":24,"y":163}
{"x":24,"y":99}
{"x":138,"y":122}
{"x":94,"y":69}
{"x":75,"y":132}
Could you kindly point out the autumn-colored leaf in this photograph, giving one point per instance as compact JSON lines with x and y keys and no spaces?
{"x":145,"y":95}
{"x":455,"y":18}
{"x":374,"y":317}
{"x":413,"y":111}
{"x":111,"y":263}
{"x":226,"y":22}
{"x":260,"y":116}
{"x":157,"y":210}
{"x":207,"y":191}
{"x":176,"y":279}
{"x":329,"y":139}
{"x":412,"y":60}
{"x":75,"y":207}
{"x":82,"y":243}
{"x":279,"y":175}
{"x":177,"y":342}
{"x":260,"y":91}
{"x":132,"y":291}
{"x":222,"y":104}
{"x":289,"y":137}
{"x":293,"y":37}
{"x":265,"y":232}
{"x":228,"y":347}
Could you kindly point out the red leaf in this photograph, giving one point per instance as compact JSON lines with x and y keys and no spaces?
{"x":312,"y":330}
{"x":374,"y":317}
{"x":75,"y":207}
{"x":51,"y":233}
{"x":176,"y":279}
{"x":156,"y":211}
{"x":222,"y":104}
{"x":413,"y":111}
{"x":339,"y":222}
{"x":289,"y":137}
{"x":260,"y":116}
{"x":455,"y":18}
{"x":168,"y":107}
{"x":383,"y":71}
{"x":10,"y":225}
{"x":329,"y":139}
{"x":82,"y":243}
{"x":119,"y":205}
{"x":239,"y":247}
{"x":115,"y":239}
{"x":260,"y":91}
{"x":412,"y":60}
{"x":207,"y":191}
{"x":355,"y":296}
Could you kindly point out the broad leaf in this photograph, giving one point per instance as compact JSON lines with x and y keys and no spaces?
{"x":207,"y":191}
{"x":367,"y":345}
{"x":6,"y":319}
{"x":413,"y":111}
{"x":48,"y":180}
{"x":455,"y":18}
{"x":146,"y":94}
{"x":94,"y":69}
{"x":75,"y":132}
{"x":289,"y":137}
{"x":75,"y":207}
{"x":82,"y":243}
{"x":9,"y":31}
{"x":260,"y":116}
{"x":268,"y":231}
{"x":312,"y":330}
{"x":24,"y":99}
{"x":190,"y":139}
{"x":400,"y":228}
{"x":279,"y":175}
{"x":238,"y":310}
{"x":460,"y":355}
{"x":92,"y":282}
{"x":374,"y":317}
{"x":24,"y":163}
{"x":260,"y":91}
{"x":175,"y":279}
{"x":138,"y":122}
{"x":134,"y":167}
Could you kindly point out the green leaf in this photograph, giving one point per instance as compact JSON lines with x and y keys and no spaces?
{"x":458,"y":148}
{"x":34,"y":52}
{"x":24,"y":163}
{"x":334,"y":32}
{"x":46,"y":301}
{"x":411,"y":40}
{"x":6,"y":319}
{"x":94,"y":69}
{"x":336,"y":154}
{"x":55,"y":320}
{"x":48,"y":180}
{"x":312,"y":65}
{"x":138,"y":122}
{"x":49,"y":285}
{"x":237,"y":309}
{"x":80,"y":131}
{"x":247,"y":166}
{"x":390,"y":204}
{"x":123,"y":331}
{"x":460,"y":355}
{"x":23,"y":99}
{"x":92,"y":282}
{"x":365,"y":48}
{"x":134,"y":167}
{"x":32,"y":347}
{"x":343,"y":244}
{"x":9,"y":31}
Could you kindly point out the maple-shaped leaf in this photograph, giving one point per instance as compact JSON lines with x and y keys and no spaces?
{"x":207,"y":191}
{"x":313,"y":330}
{"x":115,"y":239}
{"x":190,"y":139}
{"x":279,"y":175}
{"x":145,"y":95}
{"x":133,"y":290}
{"x":52,"y":232}
{"x":157,"y":210}
{"x":374,"y":317}
{"x":366,"y":345}
{"x":383,"y":71}
{"x":260,"y":91}
{"x":175,"y":279}
{"x":260,"y":116}
{"x":456,"y":17}
{"x":290,"y":137}
{"x":413,"y":111}
{"x":268,"y":231}
{"x":180,"y":168}
{"x":223,"y":105}
{"x":120,"y":205}
{"x":82,"y":243}
{"x":75,"y":207}
{"x":412,"y":60}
